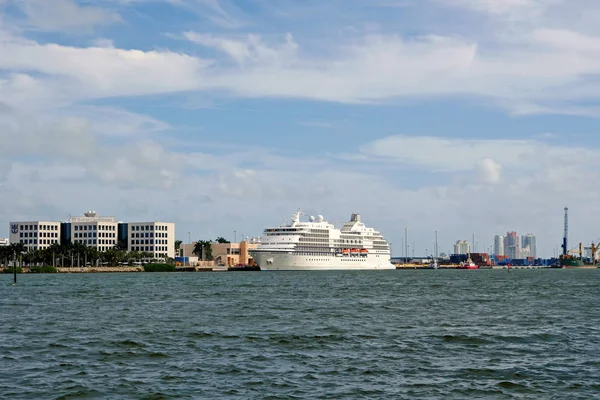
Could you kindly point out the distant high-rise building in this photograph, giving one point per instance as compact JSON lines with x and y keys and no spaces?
{"x":462,"y":247}
{"x":511,"y":245}
{"x":528,"y":241}
{"x":499,"y":245}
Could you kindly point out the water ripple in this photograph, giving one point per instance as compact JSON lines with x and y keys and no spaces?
{"x":299,"y":335}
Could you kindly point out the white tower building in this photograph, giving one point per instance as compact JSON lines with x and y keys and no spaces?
{"x":499,"y":245}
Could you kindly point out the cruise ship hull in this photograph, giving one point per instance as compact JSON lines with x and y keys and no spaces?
{"x":284,"y":261}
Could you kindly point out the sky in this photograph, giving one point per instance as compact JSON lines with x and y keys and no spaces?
{"x":465,"y":117}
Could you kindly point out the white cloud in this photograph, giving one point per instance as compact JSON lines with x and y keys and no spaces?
{"x":545,"y":74}
{"x":527,"y":194}
{"x":64,"y":15}
{"x":249,"y":49}
{"x":127,"y":163}
{"x":455,"y":155}
{"x":103,"y":42}
{"x":504,"y":7}
{"x":489,"y":171}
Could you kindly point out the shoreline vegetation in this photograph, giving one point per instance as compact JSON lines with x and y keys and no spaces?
{"x":152,"y":267}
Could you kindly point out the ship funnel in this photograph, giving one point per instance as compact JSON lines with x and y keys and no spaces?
{"x":355,"y":218}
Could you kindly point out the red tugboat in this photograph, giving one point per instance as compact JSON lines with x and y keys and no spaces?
{"x":469,"y":264}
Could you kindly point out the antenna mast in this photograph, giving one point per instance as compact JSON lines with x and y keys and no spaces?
{"x":564,"y":245}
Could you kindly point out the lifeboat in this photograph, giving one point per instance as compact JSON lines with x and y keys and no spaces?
{"x":346,"y":252}
{"x":364,"y":252}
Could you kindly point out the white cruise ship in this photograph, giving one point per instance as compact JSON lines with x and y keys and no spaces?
{"x":318,"y":245}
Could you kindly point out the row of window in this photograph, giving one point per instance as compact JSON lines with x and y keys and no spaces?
{"x":149,"y":228}
{"x":94,"y":234}
{"x":41,"y":241}
{"x":149,"y":248}
{"x":96,"y":241}
{"x":149,"y":234}
{"x":148,"y":241}
{"x":41,"y":234}
{"x":41,"y":227}
{"x":94,"y":227}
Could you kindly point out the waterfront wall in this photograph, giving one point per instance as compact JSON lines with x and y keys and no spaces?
{"x":100,"y":269}
{"x":78,"y":270}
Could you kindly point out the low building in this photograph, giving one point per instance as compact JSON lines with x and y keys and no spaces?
{"x":102,"y":233}
{"x":4,"y":242}
{"x":94,"y":231}
{"x":232,"y":253}
{"x":223,"y":253}
{"x":34,"y":235}
{"x":157,"y":238}
{"x":187,"y":250}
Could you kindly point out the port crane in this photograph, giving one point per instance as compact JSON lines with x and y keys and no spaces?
{"x":567,"y":257}
{"x":565,"y":252}
{"x":577,"y":254}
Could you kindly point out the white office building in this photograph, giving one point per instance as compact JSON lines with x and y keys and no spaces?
{"x":462,"y":247}
{"x":499,"y":245}
{"x":94,"y":231}
{"x":528,"y":241}
{"x":156,"y":238}
{"x":34,"y":235}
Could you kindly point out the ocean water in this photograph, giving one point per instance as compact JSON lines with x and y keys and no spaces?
{"x":526,"y":334}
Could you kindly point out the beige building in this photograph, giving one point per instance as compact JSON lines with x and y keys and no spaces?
{"x":232,"y":253}
{"x":223,"y":253}
{"x":34,"y":235}
{"x":187,"y":250}
{"x":94,"y":231}
{"x":157,"y":238}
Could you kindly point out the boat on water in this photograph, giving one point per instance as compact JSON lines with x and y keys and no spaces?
{"x":568,"y":261}
{"x":469,"y":264}
{"x":318,"y":245}
{"x":433,"y":265}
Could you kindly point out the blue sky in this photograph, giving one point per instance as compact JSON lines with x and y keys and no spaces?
{"x":462,"y":116}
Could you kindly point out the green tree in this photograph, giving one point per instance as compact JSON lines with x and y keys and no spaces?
{"x":203,"y":249}
{"x":4,"y":256}
{"x":114,"y":256}
{"x":16,"y":250}
{"x":221,"y":239}
{"x":178,"y":245}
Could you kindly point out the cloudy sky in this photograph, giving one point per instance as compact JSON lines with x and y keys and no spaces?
{"x":461,"y":116}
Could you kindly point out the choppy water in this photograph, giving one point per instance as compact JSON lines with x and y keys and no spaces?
{"x":302,"y":335}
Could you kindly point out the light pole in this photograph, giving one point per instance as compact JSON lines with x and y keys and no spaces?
{"x":234,"y":236}
{"x":182,"y":250}
{"x":402,"y":252}
{"x":406,"y":240}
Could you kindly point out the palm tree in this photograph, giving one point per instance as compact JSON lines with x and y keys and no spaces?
{"x":5,"y":254}
{"x":203,"y":249}
{"x":199,"y":249}
{"x":79,"y":250}
{"x":16,"y":250}
{"x":92,"y":255}
{"x":55,"y":251}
